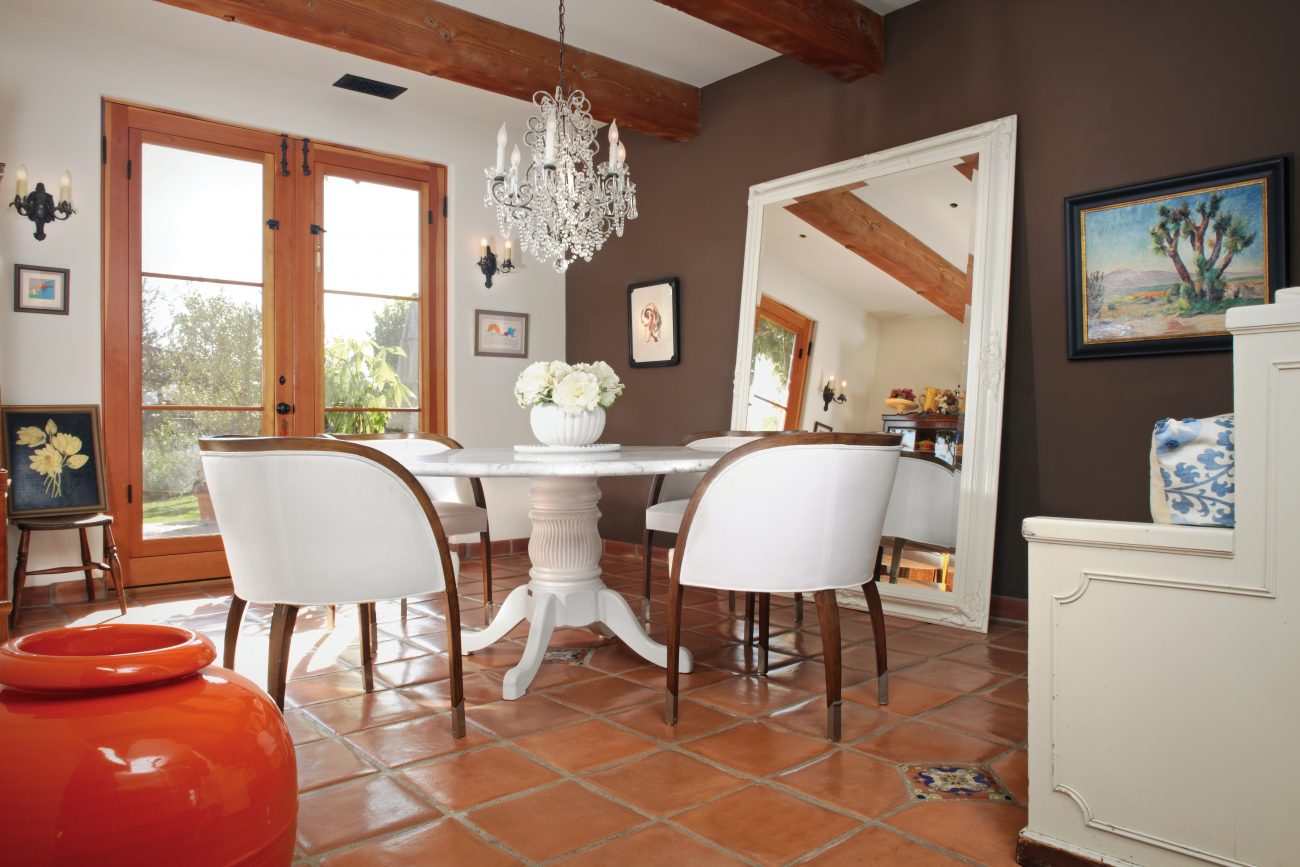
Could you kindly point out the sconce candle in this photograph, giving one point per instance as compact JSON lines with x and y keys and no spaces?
{"x":487,"y":262}
{"x":39,"y":206}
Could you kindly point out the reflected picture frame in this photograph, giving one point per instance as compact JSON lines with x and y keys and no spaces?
{"x":654,"y":323}
{"x":498,"y":334}
{"x":38,"y":289}
{"x":55,"y":459}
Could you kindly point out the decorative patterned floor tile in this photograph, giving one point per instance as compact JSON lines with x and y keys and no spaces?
{"x":953,"y":782}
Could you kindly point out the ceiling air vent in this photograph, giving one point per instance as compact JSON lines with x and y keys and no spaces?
{"x":370,"y":86}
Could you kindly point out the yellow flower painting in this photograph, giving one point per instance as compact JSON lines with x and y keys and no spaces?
{"x":52,"y":453}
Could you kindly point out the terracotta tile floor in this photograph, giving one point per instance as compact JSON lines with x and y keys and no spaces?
{"x":583,"y":770}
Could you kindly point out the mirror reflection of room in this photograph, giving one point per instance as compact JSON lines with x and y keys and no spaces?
{"x":862,"y":325}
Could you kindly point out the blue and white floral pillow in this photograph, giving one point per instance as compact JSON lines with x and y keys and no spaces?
{"x":1192,"y":472}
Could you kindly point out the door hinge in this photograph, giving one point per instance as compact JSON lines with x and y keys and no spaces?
{"x":273,"y":224}
{"x":320,"y":230}
{"x":129,"y":492}
{"x":284,"y":155}
{"x":128,"y":170}
{"x":306,"y":169}
{"x":430,"y":218}
{"x":801,"y":353}
{"x":103,"y":149}
{"x":444,"y":206}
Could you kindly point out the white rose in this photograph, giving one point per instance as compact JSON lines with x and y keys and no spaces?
{"x":610,"y":385}
{"x":557,"y":370}
{"x":532,"y":386}
{"x":577,"y":392}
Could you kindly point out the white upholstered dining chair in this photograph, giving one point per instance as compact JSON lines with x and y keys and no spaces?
{"x":317,"y":521}
{"x":794,"y":514}
{"x":923,"y":512}
{"x":670,"y":493}
{"x":459,"y":502}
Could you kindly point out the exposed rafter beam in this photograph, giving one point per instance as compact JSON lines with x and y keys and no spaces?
{"x":450,"y":43}
{"x":840,"y":37}
{"x":847,"y":220}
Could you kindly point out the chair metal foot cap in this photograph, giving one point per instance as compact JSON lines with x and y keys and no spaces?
{"x":882,"y":689}
{"x":833,"y":722}
{"x":670,"y":709}
{"x":458,"y":720}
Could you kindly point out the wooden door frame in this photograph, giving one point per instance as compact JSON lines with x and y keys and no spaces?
{"x":120,"y":336}
{"x":802,"y":326}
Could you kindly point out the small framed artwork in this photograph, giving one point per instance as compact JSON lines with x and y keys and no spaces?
{"x":653,"y":326}
{"x":818,"y":427}
{"x":1154,"y":267}
{"x":40,"y":290}
{"x":504,"y":335}
{"x":55,"y":459}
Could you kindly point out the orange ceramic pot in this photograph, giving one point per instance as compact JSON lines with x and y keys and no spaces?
{"x":123,"y":744}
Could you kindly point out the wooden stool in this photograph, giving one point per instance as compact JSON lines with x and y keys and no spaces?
{"x":80,"y":523}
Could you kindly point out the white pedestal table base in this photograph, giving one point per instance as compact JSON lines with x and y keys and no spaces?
{"x":566,"y":589}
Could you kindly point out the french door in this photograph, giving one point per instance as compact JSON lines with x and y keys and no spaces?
{"x":779,"y":371}
{"x":254,"y":284}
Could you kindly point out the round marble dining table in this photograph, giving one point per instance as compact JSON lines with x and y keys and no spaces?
{"x":565,"y":587}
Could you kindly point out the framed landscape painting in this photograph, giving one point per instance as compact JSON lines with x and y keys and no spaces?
{"x":55,"y":460}
{"x":1154,"y":267}
{"x":652,"y":323}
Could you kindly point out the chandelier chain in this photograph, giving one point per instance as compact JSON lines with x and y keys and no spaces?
{"x":561,"y":46}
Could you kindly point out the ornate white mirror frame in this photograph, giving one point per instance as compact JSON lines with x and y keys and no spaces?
{"x":995,"y":143}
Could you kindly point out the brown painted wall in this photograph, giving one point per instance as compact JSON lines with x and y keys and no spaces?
{"x":1107,"y":92}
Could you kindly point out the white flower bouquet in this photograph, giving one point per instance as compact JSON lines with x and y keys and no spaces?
{"x":574,"y":388}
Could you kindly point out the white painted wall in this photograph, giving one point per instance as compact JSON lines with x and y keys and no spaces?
{"x":844,"y":345}
{"x":62,"y":57}
{"x":916,"y":352}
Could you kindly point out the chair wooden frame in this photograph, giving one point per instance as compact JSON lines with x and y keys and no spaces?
{"x":827,"y":607}
{"x":110,"y":565}
{"x":284,"y":615}
{"x":475,"y":485}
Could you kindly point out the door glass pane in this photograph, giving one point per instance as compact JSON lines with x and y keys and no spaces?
{"x":202,"y":215}
{"x":175,"y":495}
{"x":372,"y":352}
{"x":201,"y":343}
{"x":372,"y":242}
{"x":770,"y":375}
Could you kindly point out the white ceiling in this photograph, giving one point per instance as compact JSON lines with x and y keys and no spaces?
{"x":643,"y":33}
{"x":920,"y":200}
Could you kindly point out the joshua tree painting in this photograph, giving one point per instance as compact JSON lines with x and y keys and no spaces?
{"x":1153,"y":266}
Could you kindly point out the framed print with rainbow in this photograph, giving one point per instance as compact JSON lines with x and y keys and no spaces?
{"x":500,"y":334}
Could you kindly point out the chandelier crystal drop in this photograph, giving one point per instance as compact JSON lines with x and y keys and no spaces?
{"x":564,"y":202}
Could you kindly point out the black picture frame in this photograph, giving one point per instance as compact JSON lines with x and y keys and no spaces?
{"x":1123,"y":332}
{"x":643,"y":349}
{"x":59,"y":280}
{"x":820,"y":427}
{"x":66,"y":434}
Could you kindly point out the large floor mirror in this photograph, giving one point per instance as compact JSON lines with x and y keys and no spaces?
{"x":875,"y":298}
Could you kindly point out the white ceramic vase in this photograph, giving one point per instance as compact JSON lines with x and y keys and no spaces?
{"x":554,"y":427}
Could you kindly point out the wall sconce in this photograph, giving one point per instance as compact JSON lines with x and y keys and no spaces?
{"x":487,"y":262}
{"x":829,"y":395}
{"x":38,"y":205}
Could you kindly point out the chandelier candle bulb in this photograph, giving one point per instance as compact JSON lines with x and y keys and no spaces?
{"x":20,"y":181}
{"x":549,"y":156}
{"x":501,"y":151}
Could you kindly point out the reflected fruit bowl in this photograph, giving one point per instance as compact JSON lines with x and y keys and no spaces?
{"x":902,"y":405}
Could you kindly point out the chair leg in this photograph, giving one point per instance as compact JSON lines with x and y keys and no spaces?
{"x":764,"y":630}
{"x":485,"y":541}
{"x":798,"y":608}
{"x":277,"y":668}
{"x":749,"y":619}
{"x":828,"y":613}
{"x":647,"y":554}
{"x":85,"y":561}
{"x":331,"y":615}
{"x":366,"y":611}
{"x":896,"y":561}
{"x":454,"y":661}
{"x":234,"y":618}
{"x":403,"y":609}
{"x":114,"y":567}
{"x":731,"y":600}
{"x":674,"y":649}
{"x":20,"y":577}
{"x":872,"y":591}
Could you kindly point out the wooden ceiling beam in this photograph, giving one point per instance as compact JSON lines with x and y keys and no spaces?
{"x":839,"y":37}
{"x":851,"y":222}
{"x":447,"y":42}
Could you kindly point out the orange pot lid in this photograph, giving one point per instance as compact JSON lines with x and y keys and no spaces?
{"x":108,"y":656}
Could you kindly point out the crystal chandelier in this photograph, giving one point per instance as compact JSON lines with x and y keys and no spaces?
{"x":564,"y":203}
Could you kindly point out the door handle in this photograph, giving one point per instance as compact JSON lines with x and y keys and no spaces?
{"x":283,"y":408}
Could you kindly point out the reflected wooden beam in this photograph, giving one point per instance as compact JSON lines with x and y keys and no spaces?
{"x":968,"y":165}
{"x":851,"y":222}
{"x":839,"y":37}
{"x":447,"y":42}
